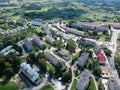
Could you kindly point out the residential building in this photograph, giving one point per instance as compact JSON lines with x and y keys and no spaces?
{"x":101,"y":57}
{"x":50,"y":39}
{"x":84,"y":80}
{"x":86,"y":42}
{"x":52,"y":58}
{"x":30,"y":72}
{"x":45,"y":29}
{"x":27,"y":45}
{"x":36,"y":23}
{"x":76,"y":32}
{"x":83,"y":59}
{"x":7,"y":50}
{"x":37,"y":42}
{"x":114,"y":83}
{"x":64,"y":54}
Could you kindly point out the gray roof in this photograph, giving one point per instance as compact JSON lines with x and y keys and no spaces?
{"x":39,"y":43}
{"x":53,"y":59}
{"x":84,"y":80}
{"x":83,"y":59}
{"x":86,"y":42}
{"x":28,"y":45}
{"x":46,"y":31}
{"x":50,"y":39}
{"x":64,"y":54}
{"x":114,"y":83}
{"x":79,"y":33}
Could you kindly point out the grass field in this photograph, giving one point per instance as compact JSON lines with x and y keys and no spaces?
{"x":91,"y":85}
{"x":74,"y":85}
{"x":47,"y":87}
{"x":8,"y":86}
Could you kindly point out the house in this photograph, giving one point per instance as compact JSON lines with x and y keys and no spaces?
{"x":52,"y":58}
{"x":101,"y":58}
{"x":83,"y":59}
{"x":86,"y":42}
{"x":64,"y":54}
{"x":50,"y":40}
{"x":7,"y":50}
{"x":84,"y":80}
{"x":63,"y":26}
{"x":113,"y":83}
{"x":76,"y":32}
{"x":30,"y":72}
{"x":27,"y":45}
{"x":45,"y":29}
{"x":37,"y":42}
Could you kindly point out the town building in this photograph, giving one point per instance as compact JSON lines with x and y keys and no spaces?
{"x":31,"y":73}
{"x":7,"y":50}
{"x":114,"y":83}
{"x":27,"y":45}
{"x":52,"y":58}
{"x":83,"y":82}
{"x":64,"y":54}
{"x":83,"y":59}
{"x":50,"y":40}
{"x":37,"y":42}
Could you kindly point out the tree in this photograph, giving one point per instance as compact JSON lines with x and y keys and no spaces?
{"x":32,"y":57}
{"x":67,"y":76}
{"x":97,"y":71}
{"x":42,"y":63}
{"x":9,"y":65}
{"x":108,"y":52}
{"x":41,"y":55}
{"x":17,"y":48}
{"x":71,"y":45}
{"x":59,"y":44}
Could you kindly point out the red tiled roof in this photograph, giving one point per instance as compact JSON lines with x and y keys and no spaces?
{"x":63,"y":26}
{"x":101,"y":57}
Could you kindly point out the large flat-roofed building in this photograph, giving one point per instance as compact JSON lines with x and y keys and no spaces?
{"x":31,"y":73}
{"x":83,"y":59}
{"x":7,"y":50}
{"x":84,"y":80}
{"x":37,"y":42}
{"x":27,"y":44}
{"x":52,"y":58}
{"x":50,"y":40}
{"x":114,"y":83}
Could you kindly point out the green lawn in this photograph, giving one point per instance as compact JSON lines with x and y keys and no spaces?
{"x":102,"y":38}
{"x":91,"y":85}
{"x":39,"y":30}
{"x":47,"y":87}
{"x":49,"y":66}
{"x":8,"y":86}
{"x":74,"y":85}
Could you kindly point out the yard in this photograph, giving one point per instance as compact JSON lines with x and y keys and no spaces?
{"x":8,"y":86}
{"x":47,"y":87}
